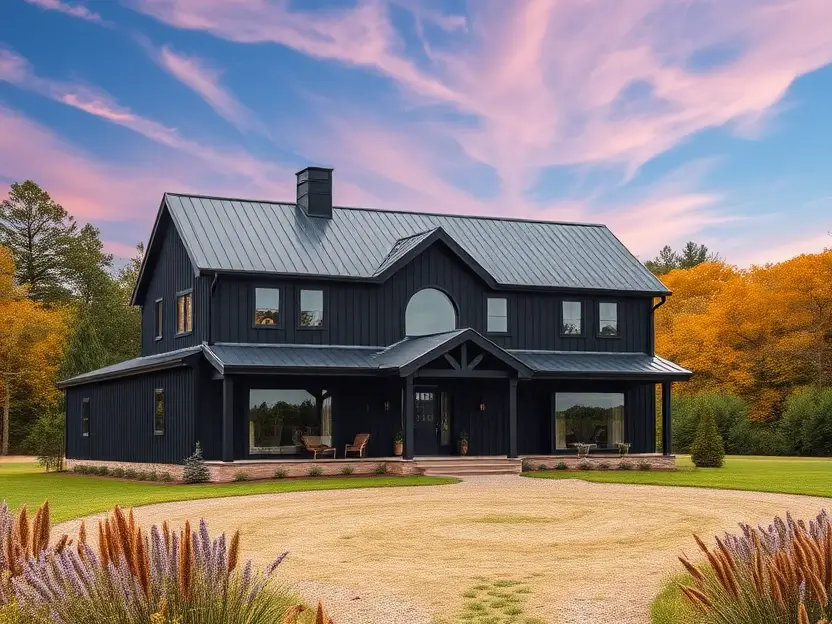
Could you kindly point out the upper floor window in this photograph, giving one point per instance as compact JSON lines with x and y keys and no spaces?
{"x":158,"y":318}
{"x":608,"y":318}
{"x":497,"y":313}
{"x":184,"y":313}
{"x":429,"y":311}
{"x":311,"y":308}
{"x":572,"y":318}
{"x":85,"y":417}
{"x":267,"y":306}
{"x":158,"y":411}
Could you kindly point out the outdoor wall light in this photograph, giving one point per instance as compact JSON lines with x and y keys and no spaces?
{"x":387,"y":406}
{"x":482,"y":406}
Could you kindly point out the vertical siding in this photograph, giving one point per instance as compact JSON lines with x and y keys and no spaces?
{"x":369,"y":314}
{"x":121,"y":418}
{"x":173,"y":272}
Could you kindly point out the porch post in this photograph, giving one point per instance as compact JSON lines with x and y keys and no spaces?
{"x":512,"y":417}
{"x":667,"y":429}
{"x":227,"y":419}
{"x":409,"y":409}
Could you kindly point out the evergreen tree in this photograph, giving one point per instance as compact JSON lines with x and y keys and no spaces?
{"x":707,"y":450}
{"x":692,"y":254}
{"x":196,"y":471}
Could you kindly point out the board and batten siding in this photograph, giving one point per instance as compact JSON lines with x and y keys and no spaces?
{"x":172,"y":273}
{"x":373,"y":314}
{"x":121,"y":418}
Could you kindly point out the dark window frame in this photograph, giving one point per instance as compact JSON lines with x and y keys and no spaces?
{"x":493,"y":332}
{"x":324,"y":301}
{"x":598,"y":333}
{"x":86,"y":417}
{"x":159,"y":319}
{"x":580,"y":334}
{"x":553,"y":412}
{"x":181,"y":294}
{"x":157,"y":392}
{"x":281,"y":312}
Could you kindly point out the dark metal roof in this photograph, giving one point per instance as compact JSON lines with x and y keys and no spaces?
{"x":587,"y":364}
{"x":400,"y":250}
{"x":264,"y":237}
{"x":234,"y":357}
{"x":136,"y":366}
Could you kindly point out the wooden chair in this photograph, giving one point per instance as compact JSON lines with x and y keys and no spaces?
{"x":359,"y":444}
{"x":313,"y":445}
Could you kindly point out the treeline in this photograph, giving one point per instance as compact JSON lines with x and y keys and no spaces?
{"x":64,"y":309}
{"x":759,"y":341}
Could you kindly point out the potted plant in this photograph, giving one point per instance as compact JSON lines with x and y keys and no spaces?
{"x":463,"y":443}
{"x":398,"y":444}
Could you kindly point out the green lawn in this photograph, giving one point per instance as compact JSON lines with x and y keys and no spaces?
{"x":71,"y":495}
{"x":784,"y":475}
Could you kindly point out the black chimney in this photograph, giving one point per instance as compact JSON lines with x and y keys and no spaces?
{"x":315,"y":192}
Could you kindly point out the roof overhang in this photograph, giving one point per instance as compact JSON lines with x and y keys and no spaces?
{"x":136,"y":366}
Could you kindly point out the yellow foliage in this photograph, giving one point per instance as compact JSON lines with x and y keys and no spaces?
{"x":758,"y":333}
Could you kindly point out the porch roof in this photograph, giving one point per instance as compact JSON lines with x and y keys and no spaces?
{"x":590,"y":365}
{"x":136,"y":366}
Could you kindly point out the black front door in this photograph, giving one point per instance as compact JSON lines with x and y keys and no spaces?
{"x":426,"y":425}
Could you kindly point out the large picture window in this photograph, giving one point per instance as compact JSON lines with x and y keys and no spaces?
{"x":429,"y":311}
{"x":572,"y":318}
{"x":278,"y":418}
{"x":267,"y":307}
{"x":590,"y":418}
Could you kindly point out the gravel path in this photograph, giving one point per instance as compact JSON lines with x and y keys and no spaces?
{"x":589,"y":552}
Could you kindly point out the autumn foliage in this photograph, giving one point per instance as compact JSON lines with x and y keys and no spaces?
{"x":758,"y":333}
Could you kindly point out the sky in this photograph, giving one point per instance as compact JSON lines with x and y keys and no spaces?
{"x":667,"y":120}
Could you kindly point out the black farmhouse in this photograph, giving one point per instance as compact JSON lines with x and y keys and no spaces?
{"x":265,"y":324}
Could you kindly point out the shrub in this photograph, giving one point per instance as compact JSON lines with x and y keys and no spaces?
{"x":381,"y":469}
{"x":625,"y":465}
{"x":241,"y":475}
{"x":776,"y":575}
{"x":102,"y":471}
{"x":561,"y":465}
{"x":142,"y":475}
{"x":585,"y":465}
{"x":152,"y":476}
{"x":526,"y":466}
{"x":134,"y":575}
{"x":46,"y":440}
{"x":195,"y":469}
{"x":166,"y":477}
{"x":118,"y":472}
{"x":707,"y":450}
{"x":645,"y":465}
{"x":315,"y":471}
{"x":540,"y":467}
{"x":347,"y":470}
{"x":79,"y":468}
{"x":280,"y":473}
{"x":730,"y":413}
{"x":806,"y":426}
{"x":131,"y":473}
{"x":604,"y":466}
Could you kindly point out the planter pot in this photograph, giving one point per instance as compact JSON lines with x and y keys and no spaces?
{"x":463,"y":447}
{"x":398,"y":448}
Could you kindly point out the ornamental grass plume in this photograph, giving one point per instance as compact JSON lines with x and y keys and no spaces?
{"x":780,"y":574}
{"x":136,"y":576}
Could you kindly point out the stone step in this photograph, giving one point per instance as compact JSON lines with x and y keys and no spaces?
{"x":469,"y":472}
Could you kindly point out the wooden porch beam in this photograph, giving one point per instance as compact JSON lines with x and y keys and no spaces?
{"x":512,"y":418}
{"x":464,"y":354}
{"x":227,"y":420}
{"x":409,"y":418}
{"x":462,"y":374}
{"x":475,"y":362}
{"x":667,"y":430}
{"x":452,"y":361}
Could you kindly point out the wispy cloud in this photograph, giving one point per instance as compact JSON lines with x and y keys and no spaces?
{"x":204,"y":80}
{"x":75,"y":10}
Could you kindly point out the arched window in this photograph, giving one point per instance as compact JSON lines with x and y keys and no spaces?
{"x":429,"y":311}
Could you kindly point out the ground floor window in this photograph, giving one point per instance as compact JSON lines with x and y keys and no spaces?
{"x":589,"y":417}
{"x":278,"y":418}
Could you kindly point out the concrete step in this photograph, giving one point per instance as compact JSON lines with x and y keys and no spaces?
{"x":470,"y":471}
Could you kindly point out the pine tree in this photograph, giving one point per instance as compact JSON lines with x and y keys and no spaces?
{"x":195,"y":469}
{"x":707,"y":450}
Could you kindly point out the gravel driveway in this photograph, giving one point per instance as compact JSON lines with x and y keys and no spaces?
{"x":584,"y":552}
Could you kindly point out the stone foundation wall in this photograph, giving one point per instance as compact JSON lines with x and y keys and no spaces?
{"x":222,"y":472}
{"x":657,"y":462}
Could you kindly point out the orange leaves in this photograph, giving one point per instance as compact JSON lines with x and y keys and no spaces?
{"x":757,"y":333}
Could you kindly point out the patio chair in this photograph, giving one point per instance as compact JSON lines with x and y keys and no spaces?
{"x":313,"y":445}
{"x":359,"y":444}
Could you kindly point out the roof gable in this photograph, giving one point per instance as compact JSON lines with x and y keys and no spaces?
{"x":253,"y":237}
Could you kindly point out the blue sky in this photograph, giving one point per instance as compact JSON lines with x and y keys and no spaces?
{"x":666,"y":120}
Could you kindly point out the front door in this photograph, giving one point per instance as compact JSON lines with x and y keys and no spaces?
{"x":426,"y":424}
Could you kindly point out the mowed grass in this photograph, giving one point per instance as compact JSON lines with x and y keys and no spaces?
{"x":783,"y":475}
{"x":72,"y":496}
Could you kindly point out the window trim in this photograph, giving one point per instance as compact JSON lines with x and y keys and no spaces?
{"x":505,"y":332}
{"x":598,"y":333}
{"x":182,"y":293}
{"x":86,"y":402}
{"x":582,"y":333}
{"x":156,"y":393}
{"x":324,"y":301}
{"x":281,"y":313}
{"x":159,"y":317}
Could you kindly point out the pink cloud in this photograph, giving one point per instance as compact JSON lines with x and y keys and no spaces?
{"x":75,"y":10}
{"x":205,"y":82}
